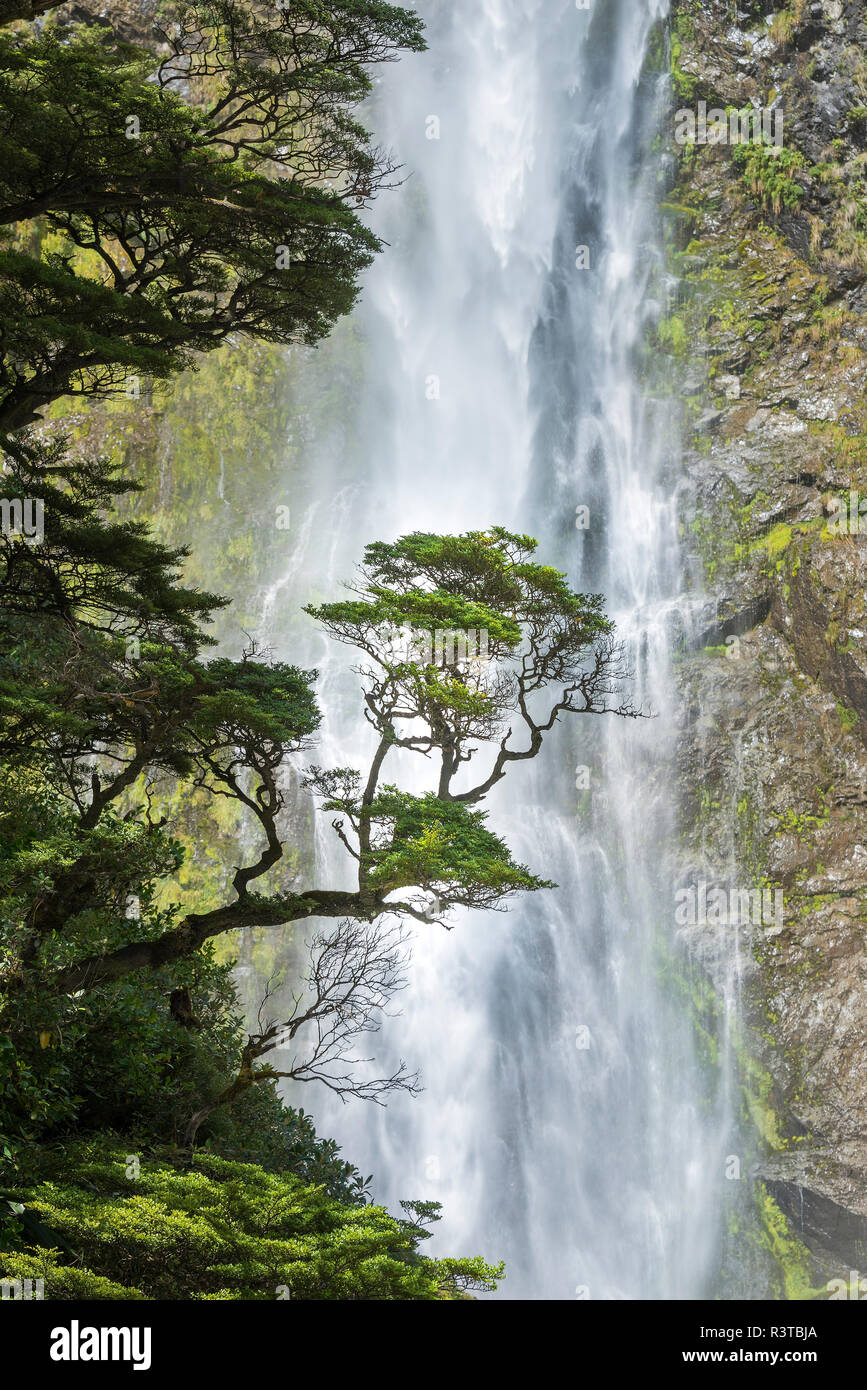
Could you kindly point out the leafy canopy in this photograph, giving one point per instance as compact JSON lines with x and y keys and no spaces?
{"x":221,"y":1230}
{"x":120,"y":696}
{"x":468,"y":645}
{"x":152,"y":204}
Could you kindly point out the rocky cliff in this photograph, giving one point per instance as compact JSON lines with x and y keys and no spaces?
{"x":767,"y":327}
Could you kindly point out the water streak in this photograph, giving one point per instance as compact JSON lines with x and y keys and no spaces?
{"x":565,"y":1123}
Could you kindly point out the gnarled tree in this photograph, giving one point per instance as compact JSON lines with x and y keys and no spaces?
{"x":153,"y":202}
{"x":120,"y":690}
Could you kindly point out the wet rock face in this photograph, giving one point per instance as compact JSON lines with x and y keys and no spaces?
{"x":775,"y":792}
{"x":771,"y":266}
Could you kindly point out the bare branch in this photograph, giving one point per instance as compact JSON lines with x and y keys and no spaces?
{"x":352,"y":975}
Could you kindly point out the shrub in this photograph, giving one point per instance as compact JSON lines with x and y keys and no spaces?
{"x":768,"y":174}
{"x":214,"y":1229}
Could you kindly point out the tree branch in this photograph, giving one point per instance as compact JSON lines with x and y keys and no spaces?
{"x":197,"y":928}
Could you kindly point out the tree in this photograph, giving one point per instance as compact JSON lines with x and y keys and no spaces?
{"x":153,"y":204}
{"x":352,"y":976}
{"x":228,"y":727}
{"x":216,"y":1229}
{"x":102,"y":682}
{"x":182,"y":219}
{"x":534,"y":630}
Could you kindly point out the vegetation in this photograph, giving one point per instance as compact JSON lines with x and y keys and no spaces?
{"x":770,"y":175}
{"x":147,"y":1228}
{"x":148,"y":198}
{"x":181,"y":221}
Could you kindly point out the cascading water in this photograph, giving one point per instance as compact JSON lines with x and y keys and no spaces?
{"x":564,"y":1123}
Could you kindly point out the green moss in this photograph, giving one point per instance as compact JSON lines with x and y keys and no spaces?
{"x":673,"y":335}
{"x":684,"y":82}
{"x":804,"y":824}
{"x":778,"y":539}
{"x":788,"y":1254}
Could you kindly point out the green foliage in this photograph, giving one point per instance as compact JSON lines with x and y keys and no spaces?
{"x":215,"y":1229}
{"x":856,"y":118}
{"x":442,"y":847}
{"x":463,"y":635}
{"x":848,"y":717}
{"x":672,"y":335}
{"x":117,"y":1058}
{"x":493,"y":569}
{"x":151,"y":205}
{"x":104,"y":572}
{"x":182,"y":221}
{"x":768,"y":173}
{"x":259,"y":1129}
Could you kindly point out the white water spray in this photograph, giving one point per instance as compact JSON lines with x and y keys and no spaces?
{"x":564,"y":1123}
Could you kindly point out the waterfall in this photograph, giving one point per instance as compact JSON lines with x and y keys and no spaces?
{"x":567,"y":1123}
